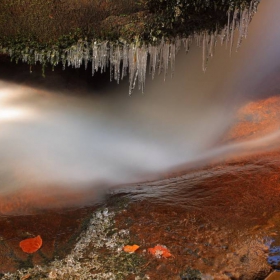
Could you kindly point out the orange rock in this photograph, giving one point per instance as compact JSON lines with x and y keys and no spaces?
{"x":31,"y":245}
{"x":130,"y":249}
{"x":160,"y":251}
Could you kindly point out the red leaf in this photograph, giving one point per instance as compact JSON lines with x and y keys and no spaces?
{"x":160,"y":251}
{"x":130,"y":249}
{"x":31,"y":245}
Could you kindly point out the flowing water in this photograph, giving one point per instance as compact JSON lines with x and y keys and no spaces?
{"x":99,"y":138}
{"x":205,"y":142}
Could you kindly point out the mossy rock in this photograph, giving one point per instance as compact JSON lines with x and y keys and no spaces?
{"x":51,"y":27}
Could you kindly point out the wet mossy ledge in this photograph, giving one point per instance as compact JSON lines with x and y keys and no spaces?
{"x":119,"y":34}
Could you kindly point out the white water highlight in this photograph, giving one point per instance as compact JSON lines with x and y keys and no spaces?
{"x":56,"y":139}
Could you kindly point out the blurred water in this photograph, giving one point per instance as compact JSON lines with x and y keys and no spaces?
{"x":214,"y":186}
{"x":52,"y":135}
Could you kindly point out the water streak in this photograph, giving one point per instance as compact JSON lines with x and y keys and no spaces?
{"x":51,"y":138}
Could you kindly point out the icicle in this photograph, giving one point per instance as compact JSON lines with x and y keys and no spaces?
{"x":86,"y":54}
{"x":103,"y":56}
{"x":118,"y":57}
{"x":248,"y":19}
{"x":111,"y":58}
{"x":228,"y":28}
{"x":165,"y":58}
{"x":94,"y":57}
{"x":232,"y":29}
{"x":153,"y":52}
{"x":173,"y":51}
{"x":141,"y":66}
{"x":242,"y":26}
{"x":132,"y":60}
{"x":160,"y":55}
{"x":125,"y":60}
{"x":204,"y":58}
{"x":212,"y":45}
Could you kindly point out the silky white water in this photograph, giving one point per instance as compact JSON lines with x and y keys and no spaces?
{"x":84,"y":138}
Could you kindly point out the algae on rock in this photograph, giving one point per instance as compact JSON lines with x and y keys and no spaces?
{"x":85,"y":262}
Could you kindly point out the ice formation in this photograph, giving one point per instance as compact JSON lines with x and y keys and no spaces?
{"x":131,"y":59}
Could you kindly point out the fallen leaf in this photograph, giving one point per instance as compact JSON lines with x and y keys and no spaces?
{"x":160,"y":251}
{"x":130,"y":249}
{"x":24,"y":277}
{"x":31,"y":245}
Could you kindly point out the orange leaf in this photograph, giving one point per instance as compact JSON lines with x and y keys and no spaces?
{"x":31,"y":245}
{"x":130,"y":249}
{"x":160,"y":251}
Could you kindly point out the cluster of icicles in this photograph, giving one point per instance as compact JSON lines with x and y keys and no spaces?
{"x":132,"y":59}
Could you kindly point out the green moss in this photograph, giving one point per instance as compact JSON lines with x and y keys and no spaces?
{"x":183,"y":18}
{"x":51,"y":27}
